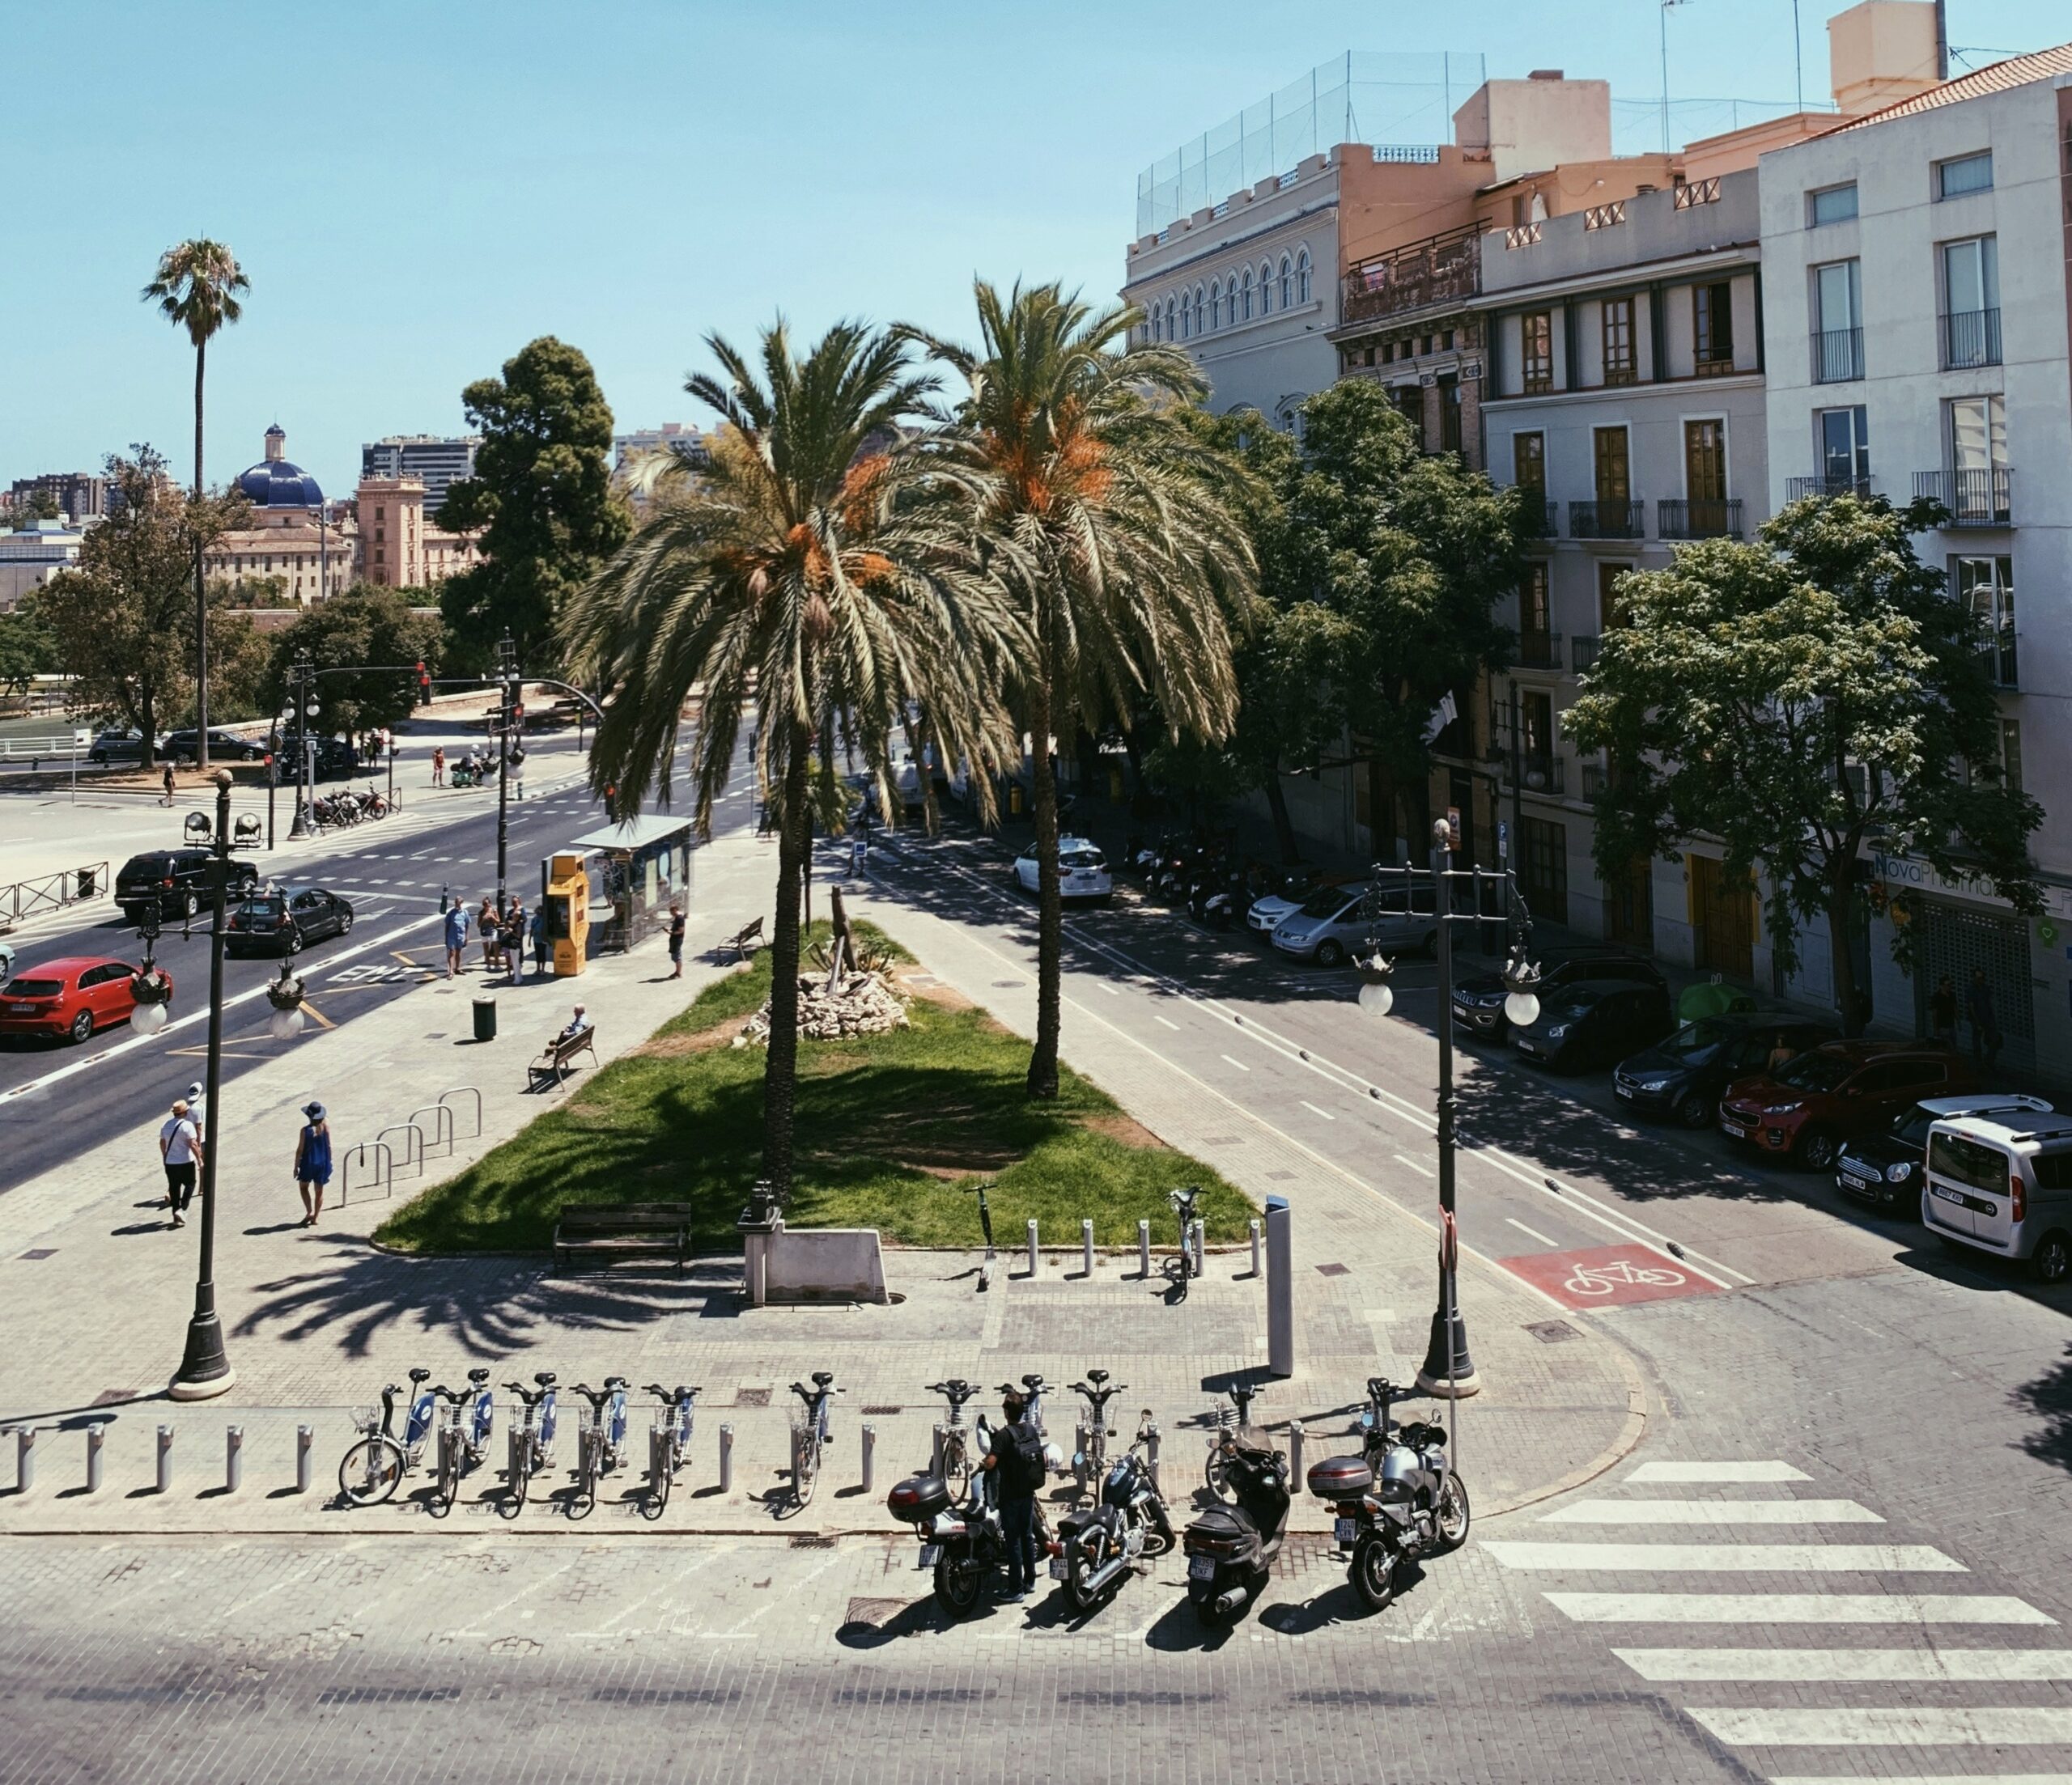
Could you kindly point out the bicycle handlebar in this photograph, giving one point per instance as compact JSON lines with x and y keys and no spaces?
{"x":531,"y":1396}
{"x":1101,"y":1396}
{"x":809,"y":1395}
{"x":614,"y":1386}
{"x":672,"y":1396}
{"x":956,"y":1390}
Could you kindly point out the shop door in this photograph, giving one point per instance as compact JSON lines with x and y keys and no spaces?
{"x":1544,"y":869}
{"x":1955,"y":939}
{"x":1723,"y":914}
{"x":1629,"y":906}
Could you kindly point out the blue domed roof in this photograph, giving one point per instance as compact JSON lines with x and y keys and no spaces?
{"x":276,"y":483}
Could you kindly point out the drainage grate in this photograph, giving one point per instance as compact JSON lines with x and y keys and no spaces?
{"x":874,"y":1611}
{"x":41,"y":1252}
{"x":752,"y":1397}
{"x":811,"y":1540}
{"x":881,"y":1412}
{"x":1552,"y":1332}
{"x":1334,"y":1270}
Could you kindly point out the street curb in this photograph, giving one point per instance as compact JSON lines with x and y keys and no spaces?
{"x":1630,"y":1435}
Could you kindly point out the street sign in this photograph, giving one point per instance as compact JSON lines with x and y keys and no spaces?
{"x":1608,"y":1276}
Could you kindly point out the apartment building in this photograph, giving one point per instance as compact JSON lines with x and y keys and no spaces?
{"x":398,"y":544}
{"x":437,"y":462}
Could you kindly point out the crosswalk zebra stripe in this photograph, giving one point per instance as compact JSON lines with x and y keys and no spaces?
{"x":1823,"y":1558}
{"x":1914,"y":1727}
{"x":1867,"y":1665}
{"x":1796,"y":1609}
{"x":1711,"y":1512}
{"x":1926,"y":1778}
{"x":1724,"y":1473}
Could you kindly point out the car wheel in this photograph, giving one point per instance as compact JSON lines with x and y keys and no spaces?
{"x":2052,"y":1261}
{"x":1330,"y":954}
{"x":344,"y":923}
{"x":82,"y":1026}
{"x":187,"y":904}
{"x":1694,"y":1110}
{"x":1431,"y":946}
{"x":1817,"y":1150}
{"x":293,"y":945}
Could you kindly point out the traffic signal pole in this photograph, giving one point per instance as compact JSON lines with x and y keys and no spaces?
{"x":508,"y":686}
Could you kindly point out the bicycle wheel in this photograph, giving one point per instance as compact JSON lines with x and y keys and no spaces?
{"x":371,"y":1470}
{"x":807,"y":1476}
{"x":661,"y":1473}
{"x":583,"y":1501}
{"x":447,"y":1488}
{"x":513,"y":1502}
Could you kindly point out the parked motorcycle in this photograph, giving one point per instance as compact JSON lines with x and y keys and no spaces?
{"x":1212,"y":897}
{"x":962,"y":1545}
{"x":1231,"y":1549}
{"x":1096,"y":1546}
{"x":1395,"y":1501}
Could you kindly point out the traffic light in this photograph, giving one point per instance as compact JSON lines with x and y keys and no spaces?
{"x":424,"y":685}
{"x":517,"y":715}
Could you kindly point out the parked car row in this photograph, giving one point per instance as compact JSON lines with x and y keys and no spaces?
{"x":176,"y":747}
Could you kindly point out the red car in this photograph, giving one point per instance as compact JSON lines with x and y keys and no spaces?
{"x":72,"y":997}
{"x":1836,"y":1092}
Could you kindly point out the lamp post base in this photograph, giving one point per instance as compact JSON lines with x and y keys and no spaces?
{"x":205,"y":1372}
{"x":1448,"y":1370}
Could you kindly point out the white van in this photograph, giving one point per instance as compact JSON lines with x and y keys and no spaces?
{"x":2003,"y":1187}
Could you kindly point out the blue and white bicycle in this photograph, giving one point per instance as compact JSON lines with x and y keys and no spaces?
{"x":531,"y":1441}
{"x":811,"y":1433}
{"x":464,"y":1436}
{"x":668,"y":1444}
{"x":375,"y":1463}
{"x":599,"y":1442}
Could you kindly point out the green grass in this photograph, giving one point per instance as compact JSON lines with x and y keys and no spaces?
{"x":892,"y":1130}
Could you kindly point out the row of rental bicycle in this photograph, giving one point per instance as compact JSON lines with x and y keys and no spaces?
{"x":1395,"y":1501}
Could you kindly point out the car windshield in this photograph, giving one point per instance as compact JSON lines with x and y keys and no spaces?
{"x":1697,"y":1041}
{"x":35,"y":988}
{"x":1913,"y":1125}
{"x":1575,"y":1004}
{"x":1815,"y":1071}
{"x":1325,"y":903}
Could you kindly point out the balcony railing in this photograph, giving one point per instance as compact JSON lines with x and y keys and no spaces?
{"x":1543,"y":774}
{"x":1607,"y":520}
{"x":1539,"y":518}
{"x":1706,"y":517}
{"x":1974,"y":497}
{"x":1838,"y":355}
{"x":1797,"y":489}
{"x":1521,"y":235}
{"x":2000,"y":658}
{"x":1609,"y":216}
{"x":1582,"y":651}
{"x":1539,"y":650}
{"x":1971,"y":337}
{"x":1443,"y":268}
{"x":1698,"y":192}
{"x":1714,"y":362}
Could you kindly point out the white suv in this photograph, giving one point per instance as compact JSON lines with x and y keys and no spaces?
{"x":2004,"y":1186}
{"x":1082,"y":870}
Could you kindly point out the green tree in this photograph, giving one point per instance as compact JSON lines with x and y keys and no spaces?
{"x":1118,"y":530}
{"x":815,"y":578}
{"x":196,"y":288}
{"x":37,"y":505}
{"x":117,"y":615}
{"x":27,"y":646}
{"x":368,"y":624}
{"x":1799,"y":697}
{"x":541,"y":499}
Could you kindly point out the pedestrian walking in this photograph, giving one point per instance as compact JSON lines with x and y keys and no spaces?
{"x":180,"y":1146}
{"x":168,"y":784}
{"x":676,"y":941}
{"x":511,"y":938}
{"x":439,"y":765}
{"x":1985,"y":1031}
{"x":542,"y":949}
{"x":485,"y":930}
{"x":1942,"y":1011}
{"x":456,"y":937}
{"x":197,"y":1110}
{"x":1016,"y":1457}
{"x":312,"y":1161}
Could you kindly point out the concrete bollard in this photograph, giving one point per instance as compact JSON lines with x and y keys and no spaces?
{"x":24,"y":1458}
{"x":1153,"y":1443}
{"x":1032,"y":1246}
{"x":165,"y":1459}
{"x":1086,"y":1247}
{"x":1294,"y":1456}
{"x":305,"y":1446}
{"x":96,"y":1442}
{"x":233,"y":1459}
{"x":726,"y":1458}
{"x":1256,"y":1259}
{"x":1144,"y":1250}
{"x":870,"y":1456}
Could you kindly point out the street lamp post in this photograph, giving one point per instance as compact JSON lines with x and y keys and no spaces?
{"x":508,"y":685}
{"x":302,"y":684}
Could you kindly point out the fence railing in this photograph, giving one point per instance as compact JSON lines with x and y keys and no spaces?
{"x":367,"y":1152}
{"x":1699,"y":517}
{"x":1975,"y":497}
{"x":1971,"y":337}
{"x":1837,"y":356}
{"x":27,"y":899}
{"x":1607,"y":520}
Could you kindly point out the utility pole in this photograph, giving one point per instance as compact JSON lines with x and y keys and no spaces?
{"x":507,"y":687}
{"x":302,"y":682}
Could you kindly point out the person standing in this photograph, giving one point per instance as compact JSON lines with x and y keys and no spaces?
{"x":180,"y":1146}
{"x":197,"y":1110}
{"x":439,"y":765}
{"x":511,"y":937}
{"x":1015,"y":1461}
{"x":1942,"y":1012}
{"x":168,"y":784}
{"x":676,"y":941}
{"x":456,"y":937}
{"x":485,"y":930}
{"x":312,"y":1161}
{"x":1985,"y":1031}
{"x":542,"y":949}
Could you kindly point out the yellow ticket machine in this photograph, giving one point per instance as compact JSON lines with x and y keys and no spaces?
{"x":568,"y":914}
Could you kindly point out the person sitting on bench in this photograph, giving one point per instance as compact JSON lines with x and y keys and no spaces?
{"x":576,"y":1024}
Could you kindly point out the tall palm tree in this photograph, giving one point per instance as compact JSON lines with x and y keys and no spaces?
{"x":196,"y":289}
{"x":816,"y":578}
{"x":1119,"y":533}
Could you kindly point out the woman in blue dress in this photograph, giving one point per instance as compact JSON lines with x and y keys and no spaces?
{"x":312,"y":1161}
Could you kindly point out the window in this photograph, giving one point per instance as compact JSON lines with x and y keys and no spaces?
{"x":1613,"y":483}
{"x":1543,"y":868}
{"x":1971,"y":299}
{"x":1705,"y":461}
{"x":1967,"y":173}
{"x":1172,"y":333}
{"x":1266,"y":289}
{"x":1529,"y":462}
{"x":1449,"y":413}
{"x":1302,"y":277}
{"x":379,"y":512}
{"x":1970,"y":1163}
{"x":1617,"y":329}
{"x":1248,"y":294}
{"x":1713,"y":312}
{"x":1838,"y":322}
{"x":1186,"y":317}
{"x":1985,"y":587}
{"x":1215,"y":304}
{"x":1978,"y":434}
{"x":1611,"y":607}
{"x":2010,"y":754}
{"x":1535,"y":625}
{"x":1844,"y":445}
{"x":1201,"y":312}
{"x":1536,"y":332}
{"x":1287,"y":284}
{"x":1836,"y":205}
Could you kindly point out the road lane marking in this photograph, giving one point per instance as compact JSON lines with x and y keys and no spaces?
{"x":1833,"y":1725}
{"x":1107,"y":988}
{"x":1239,"y":1064}
{"x":1530,"y":1233}
{"x":1175,"y":1028}
{"x":1711,"y":1512}
{"x":1759,"y":1608}
{"x":1796,"y":1559}
{"x":1421,"y":1170}
{"x":1314,"y":1111}
{"x":1719,"y":1472}
{"x":1864,"y":1666}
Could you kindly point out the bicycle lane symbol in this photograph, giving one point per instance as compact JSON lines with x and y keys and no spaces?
{"x":1607,"y":1276}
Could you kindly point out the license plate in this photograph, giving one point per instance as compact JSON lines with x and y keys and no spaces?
{"x":1622,"y":1089}
{"x":1058,"y":1570}
{"x":1201,"y":1568}
{"x":1345,"y":1530}
{"x":931,"y":1554}
{"x":1858,"y":1179}
{"x":1942,"y":1195}
{"x":1733,"y":1128}
{"x":23,"y":1010}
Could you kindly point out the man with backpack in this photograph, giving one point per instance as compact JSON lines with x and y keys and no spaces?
{"x":1017,"y":1458}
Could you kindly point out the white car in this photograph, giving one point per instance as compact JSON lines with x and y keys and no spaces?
{"x":1082,"y":870}
{"x":1328,"y":927}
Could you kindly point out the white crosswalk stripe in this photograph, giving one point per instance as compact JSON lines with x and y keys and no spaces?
{"x":1926,"y":1778}
{"x":1796,"y":1609}
{"x":1854,"y":1665}
{"x":1724,"y":1472}
{"x":1839,"y":1726}
{"x":1712,"y":1512}
{"x":1684,"y":1559}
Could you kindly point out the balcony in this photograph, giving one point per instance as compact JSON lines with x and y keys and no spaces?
{"x":2001,"y":659}
{"x":1523,"y":235}
{"x":1708,"y":518}
{"x":1971,"y":337}
{"x":1607,"y":520}
{"x":1444,"y":269}
{"x":1543,"y":774}
{"x":1837,"y":356}
{"x":1797,"y":488}
{"x":1539,"y":518}
{"x":1697,"y":191}
{"x":1981,"y":497}
{"x":1539,"y":650}
{"x":1583,"y":652}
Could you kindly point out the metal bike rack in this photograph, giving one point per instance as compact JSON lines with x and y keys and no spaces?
{"x":442,"y":1127}
{"x":366,"y":1150}
{"x":467,"y":1090}
{"x":413,"y":1151}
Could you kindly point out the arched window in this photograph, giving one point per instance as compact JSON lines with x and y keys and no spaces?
{"x":1186,"y":317}
{"x":1201,"y":310}
{"x":1302,"y":277}
{"x":1215,"y":304}
{"x":1287,"y":284}
{"x":1171,"y":319}
{"x":1248,"y":294}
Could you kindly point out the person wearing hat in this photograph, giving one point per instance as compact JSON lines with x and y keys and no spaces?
{"x":180,"y":1146}
{"x":198,"y":1109}
{"x":676,"y":922}
{"x":312,"y":1161}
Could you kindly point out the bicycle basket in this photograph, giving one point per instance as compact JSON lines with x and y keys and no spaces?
{"x":367,"y":1420}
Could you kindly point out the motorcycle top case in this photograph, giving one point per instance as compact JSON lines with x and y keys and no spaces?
{"x":918,"y":1498}
{"x":1340,"y":1478}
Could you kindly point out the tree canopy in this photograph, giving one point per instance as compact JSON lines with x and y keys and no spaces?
{"x":367,"y":623}
{"x":1798,"y":698}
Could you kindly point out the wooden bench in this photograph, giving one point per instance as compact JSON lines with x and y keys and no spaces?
{"x":556,"y":1058}
{"x":744,"y":941}
{"x":606,"y":1233}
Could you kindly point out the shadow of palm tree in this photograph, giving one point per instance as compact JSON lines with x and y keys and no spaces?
{"x":2049,"y":1399}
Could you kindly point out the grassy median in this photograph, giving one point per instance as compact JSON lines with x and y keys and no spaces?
{"x":892,"y":1131}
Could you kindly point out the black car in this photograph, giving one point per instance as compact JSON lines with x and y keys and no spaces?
{"x":223,"y":746}
{"x":1479,"y":998}
{"x":174,"y":883}
{"x":1682,"y":1080}
{"x":286,"y":920}
{"x":1593,"y":1022}
{"x":1885,"y":1169}
{"x":116,"y":747}
{"x":334,"y":757}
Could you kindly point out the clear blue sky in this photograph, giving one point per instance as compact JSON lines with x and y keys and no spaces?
{"x":417,"y":190}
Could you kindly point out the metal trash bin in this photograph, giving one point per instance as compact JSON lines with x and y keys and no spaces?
{"x":485,"y":1019}
{"x":87,"y":883}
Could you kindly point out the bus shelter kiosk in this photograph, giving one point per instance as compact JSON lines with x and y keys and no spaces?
{"x":567,"y":902}
{"x":631,"y":874}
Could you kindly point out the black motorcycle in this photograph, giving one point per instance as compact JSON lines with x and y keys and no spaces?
{"x":1097,"y":1545}
{"x":1212,"y":897}
{"x":963,"y":1544}
{"x":1395,"y":1501}
{"x":1231,"y":1549}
